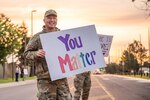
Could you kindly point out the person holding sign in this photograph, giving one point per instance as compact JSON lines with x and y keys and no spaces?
{"x":82,"y":84}
{"x":48,"y":90}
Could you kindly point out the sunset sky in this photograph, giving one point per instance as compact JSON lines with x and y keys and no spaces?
{"x":119,"y":18}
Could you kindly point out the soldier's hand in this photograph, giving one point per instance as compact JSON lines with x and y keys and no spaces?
{"x":41,"y":53}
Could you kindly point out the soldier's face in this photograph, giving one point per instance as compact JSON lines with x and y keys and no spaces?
{"x":50,"y":21}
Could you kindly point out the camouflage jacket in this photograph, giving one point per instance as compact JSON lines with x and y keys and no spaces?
{"x":32,"y":47}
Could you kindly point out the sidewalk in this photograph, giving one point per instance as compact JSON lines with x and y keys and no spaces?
{"x":11,"y":84}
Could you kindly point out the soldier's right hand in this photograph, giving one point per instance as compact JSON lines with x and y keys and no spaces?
{"x":41,"y":53}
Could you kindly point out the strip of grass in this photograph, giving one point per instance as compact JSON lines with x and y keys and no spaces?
{"x":8,"y":80}
{"x":138,"y":76}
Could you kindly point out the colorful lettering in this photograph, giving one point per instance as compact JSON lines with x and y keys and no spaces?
{"x":75,"y":62}
{"x":71,"y":43}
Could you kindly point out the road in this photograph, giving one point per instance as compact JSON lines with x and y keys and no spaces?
{"x":21,"y":92}
{"x":123,"y":88}
{"x":104,"y":87}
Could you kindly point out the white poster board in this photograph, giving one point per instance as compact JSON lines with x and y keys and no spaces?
{"x":105,"y":43}
{"x":25,"y":71}
{"x":73,"y":51}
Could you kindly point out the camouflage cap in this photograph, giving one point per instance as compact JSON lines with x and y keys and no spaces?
{"x":50,"y":12}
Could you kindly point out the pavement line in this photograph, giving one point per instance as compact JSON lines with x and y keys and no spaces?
{"x":108,"y":93}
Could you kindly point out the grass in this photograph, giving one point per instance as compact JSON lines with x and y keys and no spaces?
{"x":138,"y":76}
{"x":8,"y":80}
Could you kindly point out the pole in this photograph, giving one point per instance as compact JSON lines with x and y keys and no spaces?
{"x":140,"y":57}
{"x":123,"y":63}
{"x":12,"y":67}
{"x":149,"y":48}
{"x":32,"y":21}
{"x":32,"y":66}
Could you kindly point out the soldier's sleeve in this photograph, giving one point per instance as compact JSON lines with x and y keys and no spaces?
{"x":32,"y":48}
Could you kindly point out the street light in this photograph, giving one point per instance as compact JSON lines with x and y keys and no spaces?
{"x":32,"y":21}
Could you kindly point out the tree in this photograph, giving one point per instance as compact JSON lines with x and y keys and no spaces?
{"x":134,"y":56}
{"x":139,"y":51}
{"x":142,"y":5}
{"x":112,"y":68}
{"x":146,"y":64}
{"x":24,"y":41}
{"x":130,"y":61}
{"x":10,"y":38}
{"x":145,"y":0}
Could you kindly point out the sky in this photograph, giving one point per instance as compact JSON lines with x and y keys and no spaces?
{"x":120,"y":18}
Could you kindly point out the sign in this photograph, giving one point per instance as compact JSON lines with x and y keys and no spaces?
{"x":105,"y":43}
{"x":25,"y":71}
{"x":73,"y":51}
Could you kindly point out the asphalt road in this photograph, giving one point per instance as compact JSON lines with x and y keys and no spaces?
{"x":104,"y":87}
{"x":21,"y":92}
{"x":123,"y":88}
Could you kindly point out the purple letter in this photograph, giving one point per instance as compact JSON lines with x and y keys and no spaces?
{"x":65,"y":40}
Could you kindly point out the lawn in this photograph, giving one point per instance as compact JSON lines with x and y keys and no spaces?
{"x":13,"y":80}
{"x":139,"y":76}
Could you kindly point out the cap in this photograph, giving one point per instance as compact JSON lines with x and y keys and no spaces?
{"x":50,"y":12}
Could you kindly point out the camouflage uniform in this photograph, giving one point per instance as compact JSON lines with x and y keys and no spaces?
{"x":82,"y":83}
{"x":48,"y":90}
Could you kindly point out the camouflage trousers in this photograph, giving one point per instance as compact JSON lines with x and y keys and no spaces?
{"x":82,"y":84}
{"x":53,"y":90}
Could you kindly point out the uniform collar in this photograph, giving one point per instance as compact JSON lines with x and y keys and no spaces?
{"x":45,"y":31}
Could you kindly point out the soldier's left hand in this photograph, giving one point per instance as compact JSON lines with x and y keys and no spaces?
{"x":41,"y":53}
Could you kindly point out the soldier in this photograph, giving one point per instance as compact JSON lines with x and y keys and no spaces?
{"x":82,"y":84}
{"x":48,"y":90}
